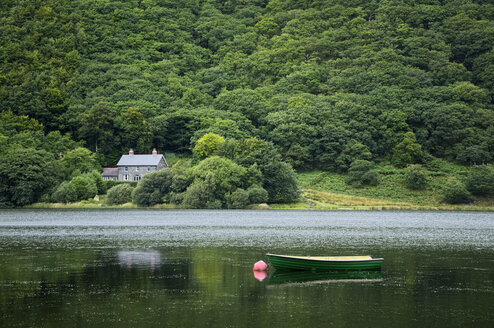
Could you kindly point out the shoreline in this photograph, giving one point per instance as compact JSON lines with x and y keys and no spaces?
{"x":299,"y":206}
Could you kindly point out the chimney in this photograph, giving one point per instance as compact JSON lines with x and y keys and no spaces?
{"x":155,"y":152}
{"x":131,"y":152}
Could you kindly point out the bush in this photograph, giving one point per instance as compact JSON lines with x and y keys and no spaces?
{"x":474,"y":155}
{"x":98,"y":181}
{"x":415,"y":177}
{"x":354,"y":150}
{"x":257,"y":195}
{"x":480,"y":180}
{"x":152,"y":188}
{"x":361,"y":173}
{"x":84,"y":187}
{"x":280,"y":182}
{"x":455,"y":192}
{"x":65,"y":193}
{"x":238,"y":199}
{"x":279,"y":179}
{"x":222,"y":175}
{"x":199,"y":195}
{"x":111,"y":183}
{"x":120,"y":194}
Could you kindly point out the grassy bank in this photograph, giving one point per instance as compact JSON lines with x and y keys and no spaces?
{"x":326,"y":190}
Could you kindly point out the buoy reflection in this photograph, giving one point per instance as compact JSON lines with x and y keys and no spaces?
{"x":260,"y":275}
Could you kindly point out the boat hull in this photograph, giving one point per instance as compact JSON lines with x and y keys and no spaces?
{"x":284,"y":262}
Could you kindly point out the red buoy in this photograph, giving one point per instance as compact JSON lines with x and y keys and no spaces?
{"x":260,"y":266}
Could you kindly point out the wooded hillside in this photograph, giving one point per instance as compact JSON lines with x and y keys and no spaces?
{"x":327,"y":82}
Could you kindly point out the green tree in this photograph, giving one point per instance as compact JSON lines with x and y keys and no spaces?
{"x":407,"y":152}
{"x":237,"y":199}
{"x":80,"y":160}
{"x":208,"y":144}
{"x":96,"y":126}
{"x":278,"y":178}
{"x":353,"y":151}
{"x":200,"y":195}
{"x":415,"y":177}
{"x":98,"y":181}
{"x":11,"y":124}
{"x":136,"y":131}
{"x":361,"y":173}
{"x":120,"y":194}
{"x":455,"y":192}
{"x":221,"y":175}
{"x":257,"y":194}
{"x":153,"y":188}
{"x":480,"y":180}
{"x":26,"y":174}
{"x":65,"y":193}
{"x":84,"y":187}
{"x":58,"y":144}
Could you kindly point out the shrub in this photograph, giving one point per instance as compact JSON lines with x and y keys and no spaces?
{"x":65,"y":193}
{"x":415,"y":177}
{"x":354,"y":150}
{"x":474,"y":155}
{"x":199,"y":195}
{"x":152,"y":188}
{"x":98,"y":181}
{"x":120,"y":194}
{"x":84,"y":187}
{"x":361,"y":173}
{"x":214,"y":204}
{"x":480,"y":180}
{"x":278,"y":177}
{"x":111,"y":183}
{"x":238,"y":199}
{"x":221,"y":175}
{"x":455,"y":192}
{"x":257,"y":195}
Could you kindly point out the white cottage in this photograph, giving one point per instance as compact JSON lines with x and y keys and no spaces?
{"x":133,"y":167}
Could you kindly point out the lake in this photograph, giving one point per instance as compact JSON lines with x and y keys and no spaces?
{"x":171,"y":268}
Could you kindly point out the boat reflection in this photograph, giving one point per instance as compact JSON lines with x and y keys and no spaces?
{"x":322,"y":277}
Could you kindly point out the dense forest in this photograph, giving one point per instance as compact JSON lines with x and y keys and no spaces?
{"x":307,"y":84}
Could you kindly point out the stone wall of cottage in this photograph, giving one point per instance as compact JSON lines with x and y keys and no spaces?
{"x":133,"y":171}
{"x":139,"y":171}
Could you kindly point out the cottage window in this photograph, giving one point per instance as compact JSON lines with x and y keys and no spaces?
{"x":137,"y":168}
{"x":126,"y":169}
{"x":137,"y":178}
{"x":126,"y":177}
{"x":148,"y":169}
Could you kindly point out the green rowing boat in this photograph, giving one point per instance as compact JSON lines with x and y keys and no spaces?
{"x":286,"y":262}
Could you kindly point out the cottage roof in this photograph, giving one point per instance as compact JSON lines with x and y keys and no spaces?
{"x":110,"y":172}
{"x":140,"y":160}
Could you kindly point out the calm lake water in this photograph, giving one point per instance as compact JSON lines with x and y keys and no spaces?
{"x":154,"y":268}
